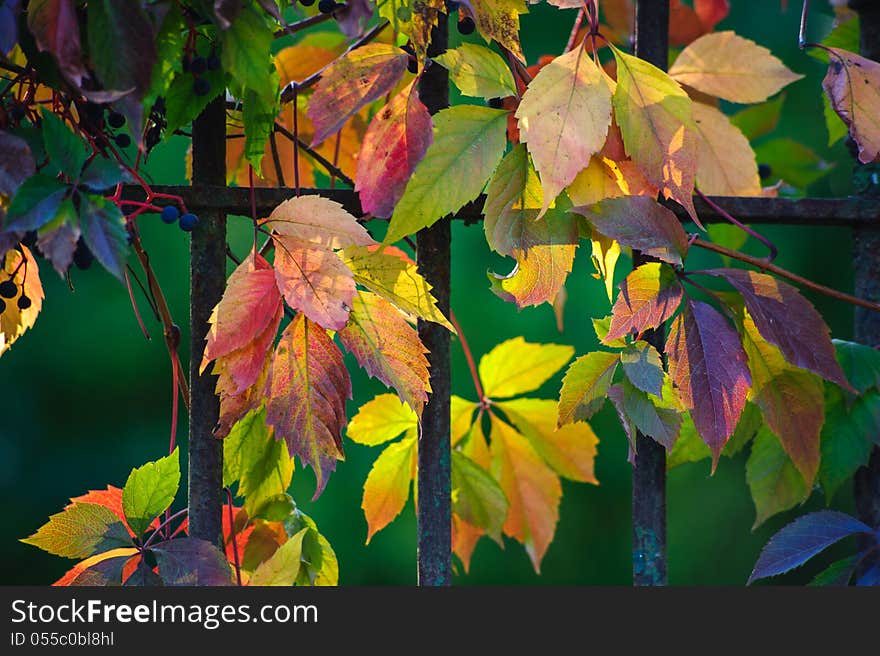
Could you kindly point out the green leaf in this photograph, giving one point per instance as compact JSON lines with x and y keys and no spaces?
{"x":259,"y":123}
{"x":260,"y":463}
{"x":516,"y":366}
{"x":35,"y":203}
{"x":690,"y":448}
{"x":860,"y":364}
{"x":845,"y":36}
{"x":468,"y":144}
{"x":477,"y":497}
{"x":170,"y":42}
{"x":102,"y":174}
{"x":103,"y":229}
{"x":649,"y":415}
{"x":772,"y":477}
{"x":837,"y":573}
{"x":513,"y":200}
{"x":791,"y":162}
{"x":182,"y":105}
{"x":642,"y":365}
{"x":837,"y":129}
{"x":283,"y":566}
{"x":81,"y":530}
{"x":759,"y":120}
{"x":478,"y":72}
{"x":319,"y":563}
{"x":846,"y":437}
{"x":247,"y":53}
{"x":602,"y":326}
{"x":66,"y":151}
{"x":275,"y":508}
{"x":149,"y":490}
{"x":585,"y":386}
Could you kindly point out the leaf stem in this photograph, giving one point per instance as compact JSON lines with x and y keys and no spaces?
{"x":746,"y":229}
{"x":158,"y":531}
{"x":469,"y":357}
{"x":578,"y":20}
{"x":802,"y":33}
{"x":785,"y":273}
{"x":232,"y":535}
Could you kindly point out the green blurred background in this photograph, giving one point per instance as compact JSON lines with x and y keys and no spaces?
{"x":85,"y":398}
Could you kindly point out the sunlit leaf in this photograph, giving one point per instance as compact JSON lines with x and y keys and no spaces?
{"x":149,"y":490}
{"x":283,"y":566}
{"x":516,"y":366}
{"x":773,"y":479}
{"x":852,"y":84}
{"x":81,"y":530}
{"x":585,"y":385}
{"x":381,"y":420}
{"x":387,"y":486}
{"x":725,"y":161}
{"x":648,"y":297}
{"x":477,"y":71}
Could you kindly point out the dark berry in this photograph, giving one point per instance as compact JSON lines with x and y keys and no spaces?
{"x":466,"y":25}
{"x":326,"y":6}
{"x":8,"y":289}
{"x":2,"y":306}
{"x":170,"y":214}
{"x":82,"y":256}
{"x":198,"y":66}
{"x":213,"y":62}
{"x":412,"y":66}
{"x":307,"y":3}
{"x":188,"y":221}
{"x":94,"y":112}
{"x":29,"y":239}
{"x":122,"y":140}
{"x":496,"y":103}
{"x":115,"y":120}
{"x":23,"y":302}
{"x":764,"y":171}
{"x":201,"y":87}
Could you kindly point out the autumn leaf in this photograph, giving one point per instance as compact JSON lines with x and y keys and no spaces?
{"x":20,"y":267}
{"x":388,"y":348}
{"x":731,"y":67}
{"x":852,"y":84}
{"x":395,"y":142}
{"x":499,"y":20}
{"x":55,"y":27}
{"x":516,"y":366}
{"x":387,"y":486}
{"x":477,"y":498}
{"x":641,"y":223}
{"x":773,"y":479}
{"x":81,"y":530}
{"x":642,"y":365}
{"x":726,"y":163}
{"x":314,"y":280}
{"x":514,"y":198}
{"x":648,"y":297}
{"x":282,"y":568}
{"x":606,"y":252}
{"x":708,"y":366}
{"x":390,"y":273}
{"x":563,"y":118}
{"x":532,"y":490}
{"x":468,"y":143}
{"x":103,"y":569}
{"x":585,"y":386}
{"x":382,"y":419}
{"x":190,"y":562}
{"x":775,"y":307}
{"x":465,"y":535}
{"x":354,"y":80}
{"x":478,"y":72}
{"x":306,"y":396}
{"x":655,"y":119}
{"x":318,"y":220}
{"x":607,"y":178}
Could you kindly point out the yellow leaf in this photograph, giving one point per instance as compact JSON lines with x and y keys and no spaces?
{"x":853,"y":87}
{"x":563,"y":119}
{"x":499,"y":20}
{"x":22,"y":269}
{"x":726,"y":163}
{"x":605,"y":178}
{"x":464,"y":535}
{"x":387,"y":486}
{"x":655,"y":118}
{"x":532,"y":490}
{"x":381,"y":420}
{"x":516,"y":366}
{"x":728,"y":66}
{"x":606,"y":252}
{"x":461,"y":419}
{"x":282,"y":567}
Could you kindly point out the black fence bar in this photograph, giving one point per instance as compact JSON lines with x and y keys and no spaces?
{"x":649,"y":466}
{"x":207,"y":281}
{"x":851,"y":211}
{"x":435,"y":477}
{"x":866,"y":262}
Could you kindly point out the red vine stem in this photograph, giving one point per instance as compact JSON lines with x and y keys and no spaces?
{"x":572,"y":39}
{"x":158,"y":531}
{"x":137,"y":313}
{"x":785,"y":273}
{"x":232,"y":535}
{"x":746,"y":229}
{"x":469,"y":357}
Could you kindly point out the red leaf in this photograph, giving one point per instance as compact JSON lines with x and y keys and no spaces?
{"x":56,"y":29}
{"x":711,"y":12}
{"x":360,"y":77}
{"x":395,"y":142}
{"x":307,"y":394}
{"x":708,"y":366}
{"x":648,"y":297}
{"x":787,"y":320}
{"x":641,"y":223}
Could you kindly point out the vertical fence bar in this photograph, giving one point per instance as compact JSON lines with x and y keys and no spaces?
{"x":207,"y":279}
{"x":866,"y":263}
{"x":433,"y":256}
{"x":649,"y":468}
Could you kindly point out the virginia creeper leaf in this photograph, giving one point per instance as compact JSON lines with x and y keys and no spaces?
{"x":478,"y":72}
{"x":773,"y":479}
{"x":381,"y":420}
{"x":726,"y":163}
{"x":35,"y":203}
{"x":246,"y":53}
{"x":648,"y":415}
{"x":14,"y":321}
{"x":104,"y":569}
{"x":387,"y":486}
{"x":563,"y":118}
{"x":395,"y":142}
{"x":465,"y":535}
{"x":283,"y":566}
{"x":643,"y":367}
{"x":802,"y":539}
{"x":55,"y":27}
{"x":852,"y":84}
{"x":16,"y":162}
{"x":190,"y":561}
{"x":388,"y":348}
{"x":104,"y":232}
{"x":468,"y":143}
{"x":729,"y":66}
{"x":307,"y":394}
{"x":648,"y":297}
{"x":81,"y":530}
{"x":847,"y":434}
{"x":606,"y":252}
{"x":149,"y":490}
{"x":708,"y":366}
{"x":318,"y":220}
{"x":352,"y":81}
{"x":516,"y":366}
{"x":477,"y":497}
{"x":860,"y":364}
{"x":837,"y":573}
{"x":499,"y":20}
{"x":513,"y":200}
{"x":585,"y":385}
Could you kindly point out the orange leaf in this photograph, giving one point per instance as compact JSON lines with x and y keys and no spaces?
{"x":853,"y":87}
{"x":14,"y":321}
{"x":387,"y":486}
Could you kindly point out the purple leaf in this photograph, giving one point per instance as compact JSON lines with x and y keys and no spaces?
{"x":8,"y":25}
{"x":641,"y":223}
{"x":16,"y":162}
{"x":107,"y":572}
{"x":56,"y":29}
{"x":802,"y":539}
{"x":190,"y":561}
{"x":708,"y":366}
{"x":789,"y":321}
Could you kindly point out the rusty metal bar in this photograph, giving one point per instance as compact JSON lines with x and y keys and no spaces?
{"x":852,"y":211}
{"x":649,"y":465}
{"x":435,"y":475}
{"x":207,"y":280}
{"x":866,"y":264}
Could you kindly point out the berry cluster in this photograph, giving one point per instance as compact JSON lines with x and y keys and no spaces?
{"x":198,"y":66}
{"x":170,"y":214}
{"x":93,"y":120}
{"x":9,"y":290}
{"x":329,"y":6}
